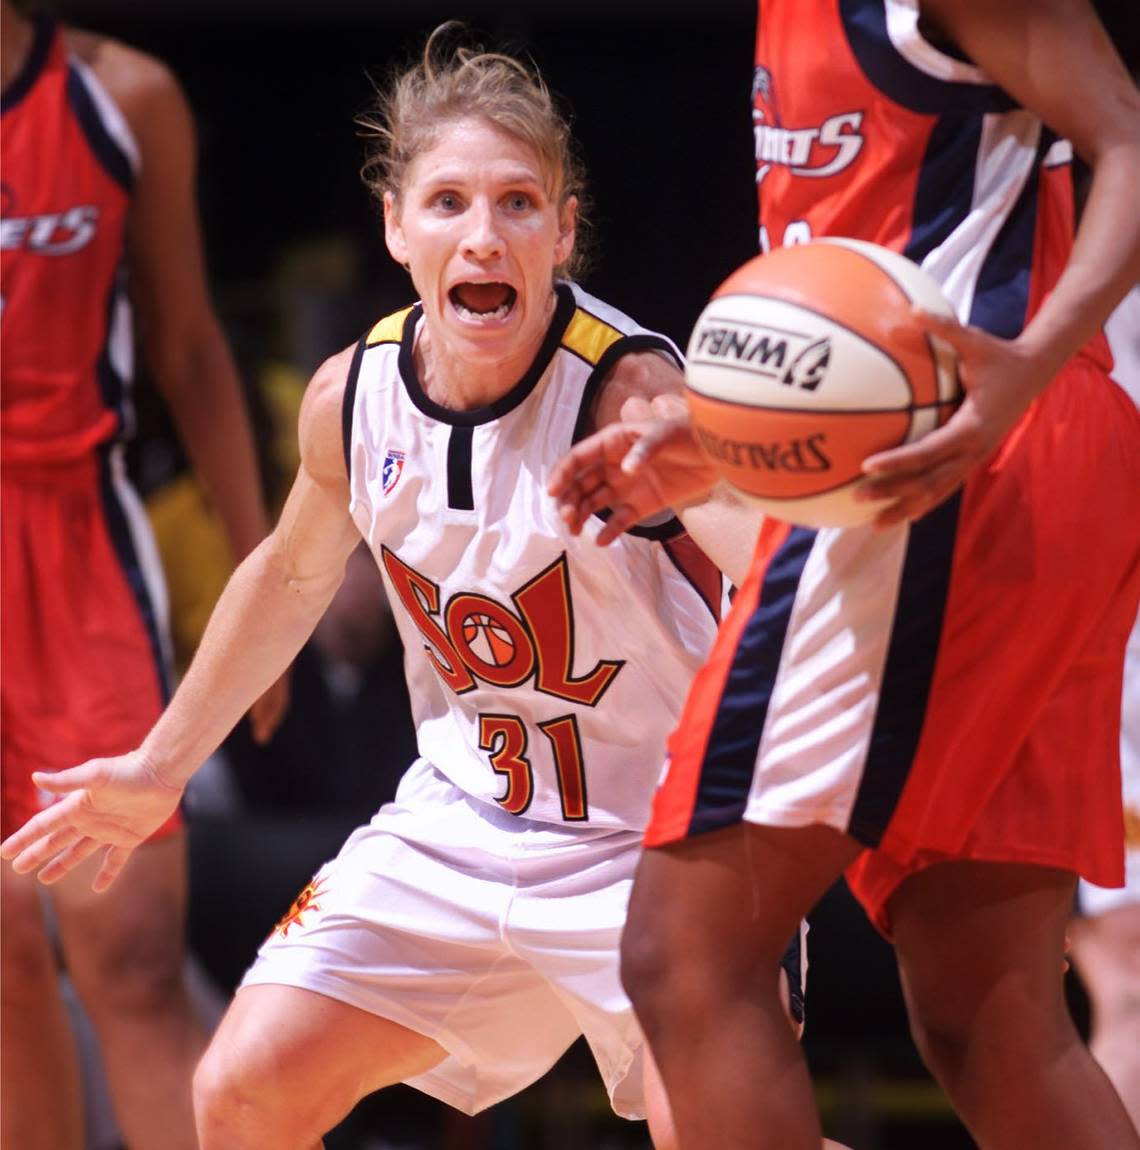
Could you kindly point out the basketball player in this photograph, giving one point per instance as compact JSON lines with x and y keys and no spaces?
{"x":98,"y":213}
{"x":466,"y":936}
{"x":930,"y":703}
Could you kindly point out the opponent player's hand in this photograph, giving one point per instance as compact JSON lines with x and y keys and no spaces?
{"x":266,"y":714}
{"x":108,"y":804}
{"x":1000,"y":381}
{"x":636,"y":469}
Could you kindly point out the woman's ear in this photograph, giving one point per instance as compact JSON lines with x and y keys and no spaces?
{"x":567,"y":224}
{"x":393,"y":233}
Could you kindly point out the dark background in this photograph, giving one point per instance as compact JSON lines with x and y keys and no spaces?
{"x":659,"y":96}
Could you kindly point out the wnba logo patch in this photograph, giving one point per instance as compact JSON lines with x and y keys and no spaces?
{"x":391,"y":471}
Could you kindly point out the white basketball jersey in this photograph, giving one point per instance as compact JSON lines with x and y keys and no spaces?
{"x":544,"y":671}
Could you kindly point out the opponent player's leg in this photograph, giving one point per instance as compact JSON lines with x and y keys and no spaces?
{"x":658,"y":1113}
{"x":39,"y":1073}
{"x":125,"y":953}
{"x":1106,"y":953}
{"x":980,"y":949}
{"x":709,"y":922}
{"x":1106,"y":934}
{"x":287,"y":1064}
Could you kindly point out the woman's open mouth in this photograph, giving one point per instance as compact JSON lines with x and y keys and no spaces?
{"x":483,"y":301}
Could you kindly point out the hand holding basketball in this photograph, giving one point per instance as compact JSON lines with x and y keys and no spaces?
{"x":831,"y":383}
{"x":808,"y":360}
{"x":1000,"y":381}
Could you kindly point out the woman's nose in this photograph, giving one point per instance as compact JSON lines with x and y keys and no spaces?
{"x":482,"y":239}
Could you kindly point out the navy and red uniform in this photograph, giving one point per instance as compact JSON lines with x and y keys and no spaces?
{"x":948,"y":689}
{"x":83,"y":639}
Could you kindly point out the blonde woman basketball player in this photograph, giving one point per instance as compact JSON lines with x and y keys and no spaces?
{"x":465,"y":937}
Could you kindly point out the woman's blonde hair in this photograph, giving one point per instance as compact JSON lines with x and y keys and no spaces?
{"x":455,"y":81}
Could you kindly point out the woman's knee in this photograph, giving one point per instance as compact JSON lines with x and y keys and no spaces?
{"x":28,"y":966}
{"x":644,"y":957}
{"x":244,"y":1098}
{"x":228,"y":1076}
{"x":1017,"y":1023}
{"x":124,"y":976}
{"x":687,"y":953}
{"x":661,"y":977}
{"x":685,"y":978}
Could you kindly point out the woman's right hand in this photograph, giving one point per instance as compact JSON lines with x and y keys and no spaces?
{"x":635,"y":469}
{"x":107,"y":804}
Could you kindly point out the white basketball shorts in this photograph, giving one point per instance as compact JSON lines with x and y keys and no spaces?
{"x":494,"y":935}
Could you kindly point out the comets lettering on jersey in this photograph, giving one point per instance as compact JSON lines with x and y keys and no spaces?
{"x":51,"y":234}
{"x":69,"y":163}
{"x":815,"y":151}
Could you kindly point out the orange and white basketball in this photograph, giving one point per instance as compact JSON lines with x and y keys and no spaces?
{"x":806,"y":361}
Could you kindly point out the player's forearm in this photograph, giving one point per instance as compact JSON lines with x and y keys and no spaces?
{"x":1105,"y":264}
{"x":724,"y":526}
{"x":202,"y":389}
{"x":260,"y":623}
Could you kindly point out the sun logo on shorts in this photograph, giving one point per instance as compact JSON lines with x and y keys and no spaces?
{"x":305,"y":901}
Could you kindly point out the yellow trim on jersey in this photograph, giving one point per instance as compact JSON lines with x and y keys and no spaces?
{"x":588,"y":336}
{"x":389,"y":330}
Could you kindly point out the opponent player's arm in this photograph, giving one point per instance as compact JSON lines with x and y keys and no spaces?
{"x":645,"y":386}
{"x":1041,"y":52}
{"x":1055,"y":58}
{"x":181,"y":337}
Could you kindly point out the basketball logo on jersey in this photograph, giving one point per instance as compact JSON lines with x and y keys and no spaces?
{"x":488,"y":640}
{"x":391,"y":471}
{"x":815,"y":151}
{"x":472,"y":638}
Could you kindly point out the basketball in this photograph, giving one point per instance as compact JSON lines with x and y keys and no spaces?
{"x":807,"y":360}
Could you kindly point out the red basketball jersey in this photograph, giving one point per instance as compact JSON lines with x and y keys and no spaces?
{"x":68,"y":164}
{"x":864,"y":128}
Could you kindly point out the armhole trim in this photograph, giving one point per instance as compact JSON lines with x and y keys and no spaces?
{"x":104,"y":125}
{"x":348,"y":406}
{"x":667,"y":528}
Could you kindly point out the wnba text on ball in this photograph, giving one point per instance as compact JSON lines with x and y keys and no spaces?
{"x":794,"y":359}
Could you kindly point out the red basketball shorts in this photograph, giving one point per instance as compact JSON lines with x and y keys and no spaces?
{"x":947,"y":690}
{"x":83,"y":637}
